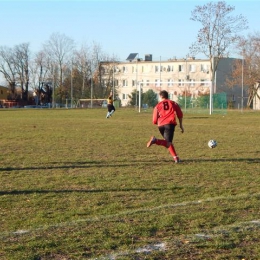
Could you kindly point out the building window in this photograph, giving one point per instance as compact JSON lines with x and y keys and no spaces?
{"x":192,"y":68}
{"x":181,"y":82}
{"x":204,"y":82}
{"x":170,"y":82}
{"x":133,"y":83}
{"x":158,"y":83}
{"x":204,"y":68}
{"x":181,"y":68}
{"x":125,"y":83}
{"x":124,"y":96}
{"x":147,"y":82}
{"x":170,"y":68}
{"x":156,"y":68}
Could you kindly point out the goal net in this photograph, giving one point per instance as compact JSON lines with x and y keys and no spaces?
{"x":92,"y":103}
{"x":192,"y":96}
{"x":201,"y":104}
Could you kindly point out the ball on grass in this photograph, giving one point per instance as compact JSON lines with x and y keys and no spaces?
{"x":212,"y":143}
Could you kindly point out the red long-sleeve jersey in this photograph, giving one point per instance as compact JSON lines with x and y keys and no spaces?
{"x":165,"y":113}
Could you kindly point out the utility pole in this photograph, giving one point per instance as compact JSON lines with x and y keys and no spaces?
{"x":53,"y":86}
{"x":71,"y":85}
{"x":242,"y":94}
{"x":136,"y":80}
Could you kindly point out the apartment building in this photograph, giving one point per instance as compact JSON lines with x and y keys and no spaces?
{"x":178,"y":76}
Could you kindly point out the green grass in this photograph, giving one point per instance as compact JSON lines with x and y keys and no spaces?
{"x":75,"y":185}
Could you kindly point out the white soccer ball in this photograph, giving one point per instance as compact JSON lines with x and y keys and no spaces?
{"x":212,"y":143}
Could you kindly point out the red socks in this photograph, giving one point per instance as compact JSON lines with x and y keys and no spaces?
{"x":172,"y":150}
{"x":161,"y":142}
{"x":165,"y":144}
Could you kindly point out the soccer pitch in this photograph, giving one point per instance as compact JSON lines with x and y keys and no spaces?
{"x":75,"y":185}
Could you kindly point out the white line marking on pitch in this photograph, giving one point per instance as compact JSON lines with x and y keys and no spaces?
{"x":161,"y":246}
{"x":129,"y":212}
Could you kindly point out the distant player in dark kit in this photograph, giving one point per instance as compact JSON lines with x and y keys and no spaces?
{"x":110,"y":106}
{"x":164,"y":116}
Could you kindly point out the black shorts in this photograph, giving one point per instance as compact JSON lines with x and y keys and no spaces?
{"x":110,"y":107}
{"x":167,"y":131}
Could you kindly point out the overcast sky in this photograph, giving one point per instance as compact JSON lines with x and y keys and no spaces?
{"x":161,"y":28}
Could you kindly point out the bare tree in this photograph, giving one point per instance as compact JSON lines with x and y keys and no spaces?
{"x":89,"y":76}
{"x":96,"y":78}
{"x":21,"y":61}
{"x":41,"y":74}
{"x":246,"y":71}
{"x":220,"y":30}
{"x":82,"y":61}
{"x":7,"y":68}
{"x":87,"y":66}
{"x":14,"y":65}
{"x":107,"y":71}
{"x":59,"y":48}
{"x":103,"y":84}
{"x":37,"y":70}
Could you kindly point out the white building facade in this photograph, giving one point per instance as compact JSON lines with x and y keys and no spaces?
{"x":177,"y":76}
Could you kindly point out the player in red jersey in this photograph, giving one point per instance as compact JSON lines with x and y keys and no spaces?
{"x":164,"y":116}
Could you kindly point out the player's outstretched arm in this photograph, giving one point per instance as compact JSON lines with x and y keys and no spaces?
{"x":181,"y":126}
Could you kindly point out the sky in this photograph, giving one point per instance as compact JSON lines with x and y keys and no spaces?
{"x":159,"y":27}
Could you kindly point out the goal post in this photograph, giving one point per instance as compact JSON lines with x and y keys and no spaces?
{"x":205,"y":84}
{"x":92,"y":102}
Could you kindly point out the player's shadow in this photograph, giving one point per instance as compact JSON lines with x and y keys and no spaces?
{"x":197,"y":160}
{"x":202,"y":160}
{"x":68,"y":165}
{"x":27,"y":192}
{"x":119,"y":164}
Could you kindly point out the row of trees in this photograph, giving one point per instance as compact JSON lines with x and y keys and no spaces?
{"x":72,"y":73}
{"x":59,"y":66}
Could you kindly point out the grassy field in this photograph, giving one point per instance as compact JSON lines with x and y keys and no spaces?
{"x":75,"y":185}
